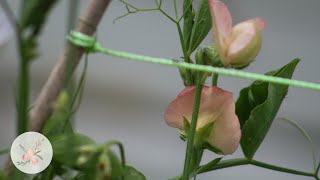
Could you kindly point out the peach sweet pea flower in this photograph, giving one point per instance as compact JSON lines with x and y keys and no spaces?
{"x":238,"y":45}
{"x":34,"y":160}
{"x":26,"y":156}
{"x":216,"y":106}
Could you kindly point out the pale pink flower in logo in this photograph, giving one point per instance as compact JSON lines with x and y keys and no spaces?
{"x":32,"y":154}
{"x":238,"y":45}
{"x":34,"y":160}
{"x":217,"y":106}
{"x":26,"y":156}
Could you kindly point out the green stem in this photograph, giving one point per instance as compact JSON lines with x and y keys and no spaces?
{"x":121,"y":148}
{"x":23,"y":93}
{"x":23,"y":76}
{"x":215,"y":77}
{"x":244,"y":161}
{"x":23,"y":83}
{"x":73,"y":7}
{"x":185,"y":55}
{"x":317,"y":171}
{"x":190,"y":139}
{"x":281,"y":169}
{"x":176,"y":10}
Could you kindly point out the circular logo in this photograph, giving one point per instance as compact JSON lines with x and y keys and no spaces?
{"x":31,"y":152}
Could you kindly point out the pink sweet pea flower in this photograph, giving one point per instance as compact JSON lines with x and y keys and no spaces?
{"x":238,"y":45}
{"x":26,"y":156}
{"x":216,"y":106}
{"x":34,"y":160}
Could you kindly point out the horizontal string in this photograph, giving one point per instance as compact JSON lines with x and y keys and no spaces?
{"x":92,"y":46}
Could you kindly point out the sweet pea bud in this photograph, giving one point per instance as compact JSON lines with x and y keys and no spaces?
{"x":238,"y":45}
{"x":212,"y":57}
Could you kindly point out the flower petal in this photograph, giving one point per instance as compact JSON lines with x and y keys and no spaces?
{"x":211,"y":106}
{"x":221,"y":18}
{"x":222,"y":25}
{"x":226,"y":133}
{"x":180,"y":107}
{"x":259,"y":23}
{"x":245,"y":43}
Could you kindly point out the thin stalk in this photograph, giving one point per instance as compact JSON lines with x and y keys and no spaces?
{"x":185,"y":53}
{"x":281,"y":169}
{"x":176,"y":9}
{"x":23,"y":91}
{"x":190,"y":139}
{"x":72,"y":12}
{"x":23,"y":82}
{"x":23,"y":76}
{"x":244,"y":161}
{"x":215,"y":77}
{"x":317,"y":170}
{"x":121,"y":148}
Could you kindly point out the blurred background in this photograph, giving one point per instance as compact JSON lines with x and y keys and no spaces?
{"x":125,"y":100}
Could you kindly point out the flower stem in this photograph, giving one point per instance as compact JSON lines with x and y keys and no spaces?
{"x":190,"y":139}
{"x":215,"y":77}
{"x":244,"y":161}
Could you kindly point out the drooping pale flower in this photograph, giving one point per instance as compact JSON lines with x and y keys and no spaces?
{"x":238,"y":45}
{"x":216,"y":106}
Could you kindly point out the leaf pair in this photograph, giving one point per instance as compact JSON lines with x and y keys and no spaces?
{"x":257,"y":107}
{"x":195,"y":28}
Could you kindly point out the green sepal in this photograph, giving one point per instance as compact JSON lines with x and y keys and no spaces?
{"x":186,"y":125}
{"x":202,"y":135}
{"x":212,"y":57}
{"x":212,"y":148}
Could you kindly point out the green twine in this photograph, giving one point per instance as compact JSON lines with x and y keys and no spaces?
{"x":92,"y":46}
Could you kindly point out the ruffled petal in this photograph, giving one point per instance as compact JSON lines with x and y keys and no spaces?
{"x":216,"y":106}
{"x":221,"y":18}
{"x":245,"y":44}
{"x":180,"y":107}
{"x":226,"y":133}
{"x":222,"y":25}
{"x":211,"y":106}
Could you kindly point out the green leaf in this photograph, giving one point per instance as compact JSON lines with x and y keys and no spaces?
{"x":132,"y":174}
{"x":188,"y":21}
{"x":34,"y":14}
{"x":257,"y":107}
{"x":205,"y":131}
{"x":66,"y":147}
{"x":201,"y":27}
